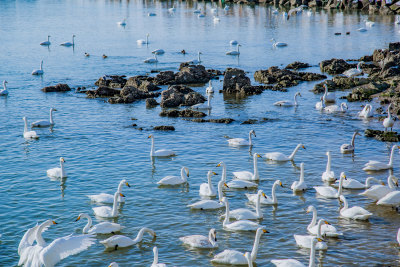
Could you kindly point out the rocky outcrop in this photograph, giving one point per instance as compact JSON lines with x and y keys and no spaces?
{"x":180,"y":95}
{"x":103,"y":91}
{"x":113,"y":81}
{"x":164,"y":128}
{"x":129,"y":94}
{"x":222,"y":120}
{"x":151,"y":102}
{"x":143,"y":83}
{"x":382,"y":136}
{"x":186,"y":113}
{"x":297,"y":65}
{"x":235,"y":80}
{"x":164,"y":78}
{"x":340,"y":83}
{"x":61,"y":87}
{"x":188,"y":74}
{"x":335,"y":66}
{"x":366,"y":91}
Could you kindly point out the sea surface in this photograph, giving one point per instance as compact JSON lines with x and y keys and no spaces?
{"x":101,"y":147}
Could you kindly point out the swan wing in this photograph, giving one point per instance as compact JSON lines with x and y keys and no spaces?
{"x":377,"y":192}
{"x":284,"y":103}
{"x":241,"y":184}
{"x":391,"y":199}
{"x":229,"y":256}
{"x":65,"y":246}
{"x":277,"y":156}
{"x":243,"y":175}
{"x":206,"y":205}
{"x":243,"y":225}
{"x":242,"y":214}
{"x":102,"y":211}
{"x":164,"y":153}
{"x":375,"y":165}
{"x":105,"y":228}
{"x":120,"y":240}
{"x":41,"y":123}
{"x":170,"y":180}
{"x":287,"y":263}
{"x":326,"y":191}
{"x":102,"y":197}
{"x":237,"y":141}
{"x":28,"y":238}
{"x":356,"y":213}
{"x":196,"y":241}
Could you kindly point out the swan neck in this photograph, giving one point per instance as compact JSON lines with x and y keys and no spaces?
{"x":183,"y":176}
{"x":39,"y":239}
{"x":258,"y":208}
{"x":114,"y":208}
{"x":388,"y":111}
{"x":314,"y":218}
{"x":391,"y":156}
{"x":152,"y":147}
{"x":328,"y":165}
{"x":88,"y":225}
{"x":211,"y":239}
{"x":294,"y":152}
{"x":390,"y":182}
{"x":340,"y":186}
{"x":254,"y":251}
{"x":25,"y":125}
{"x":295,"y":99}
{"x":312,"y":255}
{"x":368,"y":181}
{"x":345,"y":204}
{"x":274,"y":200}
{"x":256,"y":176}
{"x":353,"y":138}
{"x":41,"y":65}
{"x":250,"y":143}
{"x":302,"y":173}
{"x":4,"y":85}
{"x":120,"y":185}
{"x":319,"y":229}
{"x":62,"y":169}
{"x":226,"y":220}
{"x":223,"y":178}
{"x":51,"y":116}
{"x":155,"y":261}
{"x":210,"y":186}
{"x":220,"y":196}
{"x":198,"y":57}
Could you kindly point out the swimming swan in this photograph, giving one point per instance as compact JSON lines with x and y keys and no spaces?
{"x":196,"y":61}
{"x":209,"y":89}
{"x":328,"y":97}
{"x":366,"y":112}
{"x":107,"y":212}
{"x":374,"y":165}
{"x":155,"y":260}
{"x":68,"y":43}
{"x":326,"y":229}
{"x":328,"y":175}
{"x":354,"y":184}
{"x":277,"y":44}
{"x":234,"y":52}
{"x":288,"y":103}
{"x":266,"y":200}
{"x":320,"y":105}
{"x":201,"y":106}
{"x":160,"y":152}
{"x":207,"y":189}
{"x":242,"y":225}
{"x":175,"y":180}
{"x":108,"y":198}
{"x":201,"y":241}
{"x":122,"y":241}
{"x":304,"y":241}
{"x":39,"y":71}
{"x":336,"y":108}
{"x":246,"y":214}
{"x":354,"y":213}
{"x":388,"y":122}
{"x":151,"y":60}
{"x":100,"y":228}
{"x":46,"y":42}
{"x":349,"y":148}
{"x":158,"y":51}
{"x":299,"y":185}
{"x":29,"y":134}
{"x":242,"y":141}
{"x":208,"y":204}
{"x":278,"y":156}
{"x":296,"y":263}
{"x":141,"y":41}
{"x":4,"y":90}
{"x":122,"y":23}
{"x":392,"y":199}
{"x":246,"y":175}
{"x":354,"y":72}
{"x":45,"y":123}
{"x":330,"y":192}
{"x":377,"y":192}
{"x":58,"y":172}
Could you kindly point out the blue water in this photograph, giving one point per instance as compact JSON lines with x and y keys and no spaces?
{"x":101,"y":147}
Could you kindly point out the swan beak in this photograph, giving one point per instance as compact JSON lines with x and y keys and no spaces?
{"x":382,"y":183}
{"x":54,"y":222}
{"x":397,"y":184}
{"x":280,"y":183}
{"x":127,"y":184}
{"x":79,"y":217}
{"x":307,"y":211}
{"x":264,"y":195}
{"x":303,"y":147}
{"x":219,"y":165}
{"x":122,"y":195}
{"x":265,"y":231}
{"x":187,"y":174}
{"x":319,"y":240}
{"x":259,"y":156}
{"x":54,"y":109}
{"x":62,"y":160}
{"x":149,"y":136}
{"x":344,"y":176}
{"x":214,"y":173}
{"x":226,"y":185}
{"x":327,"y":223}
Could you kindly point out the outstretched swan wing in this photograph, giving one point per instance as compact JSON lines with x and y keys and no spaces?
{"x":29,"y":237}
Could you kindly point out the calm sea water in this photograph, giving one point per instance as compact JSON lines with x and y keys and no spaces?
{"x":101,"y":147}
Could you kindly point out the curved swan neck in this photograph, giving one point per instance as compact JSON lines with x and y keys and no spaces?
{"x":114,"y":208}
{"x":391,"y":156}
{"x":295,"y":99}
{"x":254,"y":251}
{"x":4,"y":85}
{"x":326,"y":92}
{"x":39,"y":239}
{"x":41,"y":65}
{"x":152,"y":147}
{"x":274,"y":200}
{"x":314,"y":217}
{"x":198,"y":57}
{"x":312,"y":254}
{"x":256,"y":176}
{"x":390,"y":181}
{"x":147,"y":38}
{"x":250,"y":143}
{"x":319,"y":228}
{"x":211,"y":238}
{"x":388,"y":111}
{"x":368,"y":181}
{"x":359,"y":66}
{"x":210,"y":186}
{"x":294,"y":151}
{"x":223,"y":177}
{"x":258,"y":208}
{"x":73,"y":39}
{"x":345,"y":204}
{"x":353,"y":138}
{"x":51,"y":116}
{"x":328,"y":164}
{"x":183,"y":176}
{"x":139,"y":236}
{"x":88,"y":225}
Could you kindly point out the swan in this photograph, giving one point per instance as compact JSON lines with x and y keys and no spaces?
{"x":246,"y":175}
{"x":329,"y":97}
{"x":398,"y":237}
{"x":107,"y":212}
{"x":330,"y":192}
{"x":226,"y":8}
{"x":326,"y":229}
{"x":141,"y":41}
{"x":196,"y":61}
{"x":39,"y":71}
{"x":320,"y":105}
{"x":241,"y":225}
{"x":201,"y":241}
{"x":202,"y":106}
{"x":87,"y":54}
{"x":369,"y":23}
{"x":46,"y":42}
{"x":328,"y":175}
{"x":160,"y":152}
{"x":296,"y":263}
{"x":108,"y":198}
{"x":275,"y":11}
{"x":248,"y":258}
{"x":362,"y":29}
{"x":336,"y":108}
{"x":278,"y":44}
{"x":242,"y":141}
{"x":246,"y":214}
{"x":158,"y":51}
{"x":155,"y":261}
{"x":207,"y":189}
{"x":236,"y":184}
{"x":101,"y":228}
{"x":233,"y":52}
{"x":300,"y":185}
{"x":349,"y":148}
{"x":391,"y":199}
{"x":201,"y":15}
{"x":277,"y":156}
{"x":216,"y":19}
{"x":374,"y":165}
{"x":366,"y":112}
{"x":4,"y":90}
{"x":58,"y":172}
{"x":208,"y":204}
{"x":266,"y":200}
{"x":68,"y":43}
{"x":50,"y":254}
{"x":151,"y":14}
{"x":223,"y":176}
{"x":355,"y":71}
{"x":113,"y":264}
{"x":355,"y":213}
{"x":288,"y":103}
{"x":354,"y":184}
{"x":304,"y":241}
{"x":151,"y":60}
{"x":122,"y":241}
{"x":388,"y":122}
{"x":197,"y":11}
{"x":45,"y":123}
{"x":209,"y":89}
{"x":172,"y":9}
{"x":234,"y":257}
{"x":29,"y":134}
{"x":233,"y":42}
{"x":377,"y":192}
{"x":122,"y":23}
{"x":175,"y":180}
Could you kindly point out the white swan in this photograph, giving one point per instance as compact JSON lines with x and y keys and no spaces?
{"x":141,"y":41}
{"x":151,"y":14}
{"x":108,"y":198}
{"x":349,"y":148}
{"x":208,"y":204}
{"x":354,"y":213}
{"x":328,"y":97}
{"x":234,"y":52}
{"x":388,"y":122}
{"x":201,"y":241}
{"x":46,"y":42}
{"x":58,"y":172}
{"x":236,"y":184}
{"x":39,"y":71}
{"x":151,"y":60}
{"x":210,"y":89}
{"x":288,"y":103}
{"x":201,"y":106}
{"x":266,"y":200}
{"x":4,"y":90}
{"x":207,"y":189}
{"x":326,"y":229}
{"x":377,"y":192}
{"x":172,"y":9}
{"x":392,"y":199}
{"x":336,"y":108}
{"x":278,"y":44}
{"x":246,"y":175}
{"x":100,"y":228}
{"x":234,"y":257}
{"x":175,"y":180}
{"x":122,"y":241}
{"x":216,"y":19}
{"x":398,"y":237}
{"x":300,"y":185}
{"x":197,"y":11}
{"x":160,"y":152}
{"x":320,"y":105}
{"x":242,"y":225}
{"x":248,"y":258}
{"x":29,"y":134}
{"x":68,"y":43}
{"x":246,"y":214}
{"x":196,"y":61}
{"x":233,"y":42}
{"x":369,"y":23}
{"x":366,"y":112}
{"x":242,"y":141}
{"x":155,"y":260}
{"x":328,"y":175}
{"x":158,"y":51}
{"x":107,"y":212}
{"x":355,"y":71}
{"x":278,"y":156}
{"x":113,"y":264}
{"x":45,"y":123}
{"x":296,"y":263}
{"x":304,"y":241}
{"x":50,"y":254}
{"x":330,"y":192}
{"x":122,"y":23}
{"x":374,"y":165}
{"x":354,"y":184}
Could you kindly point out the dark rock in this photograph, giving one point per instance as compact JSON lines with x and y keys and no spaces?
{"x":213,"y":73}
{"x":113,"y":81}
{"x":250,"y":121}
{"x":394,"y":46}
{"x":164,"y":78}
{"x":134,"y":125}
{"x":382,"y":136}
{"x":297,"y":65}
{"x":61,"y":87}
{"x":234,"y":80}
{"x":151,"y":102}
{"x":366,"y":58}
{"x":222,"y":120}
{"x":186,"y":113}
{"x":191,"y":74}
{"x":365,"y":92}
{"x":340,"y":83}
{"x":143,"y":83}
{"x":103,"y":91}
{"x":164,"y":128}
{"x":130,"y":94}
{"x":177,"y":95}
{"x":334,"y":66}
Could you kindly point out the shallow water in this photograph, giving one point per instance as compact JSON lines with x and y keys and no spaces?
{"x":101,"y":147}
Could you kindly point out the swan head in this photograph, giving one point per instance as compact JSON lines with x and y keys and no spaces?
{"x":298,"y":93}
{"x":213,"y":233}
{"x":24,"y":118}
{"x":256,"y":155}
{"x":125,"y":182}
{"x":310,"y":209}
{"x":302,"y":146}
{"x":278,"y":182}
{"x":357,"y":133}
{"x":210,"y":173}
{"x":5,"y":82}
{"x":226,"y":185}
{"x":344,"y":105}
{"x":113,"y":264}
{"x":120,"y":194}
{"x":221,"y":164}
{"x":260,"y":192}
{"x":53,"y":109}
{"x":62,"y":160}
{"x":253,"y":132}
{"x":343,"y":175}
{"x":150,"y":136}
{"x":342,"y":199}
{"x":82,"y":215}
